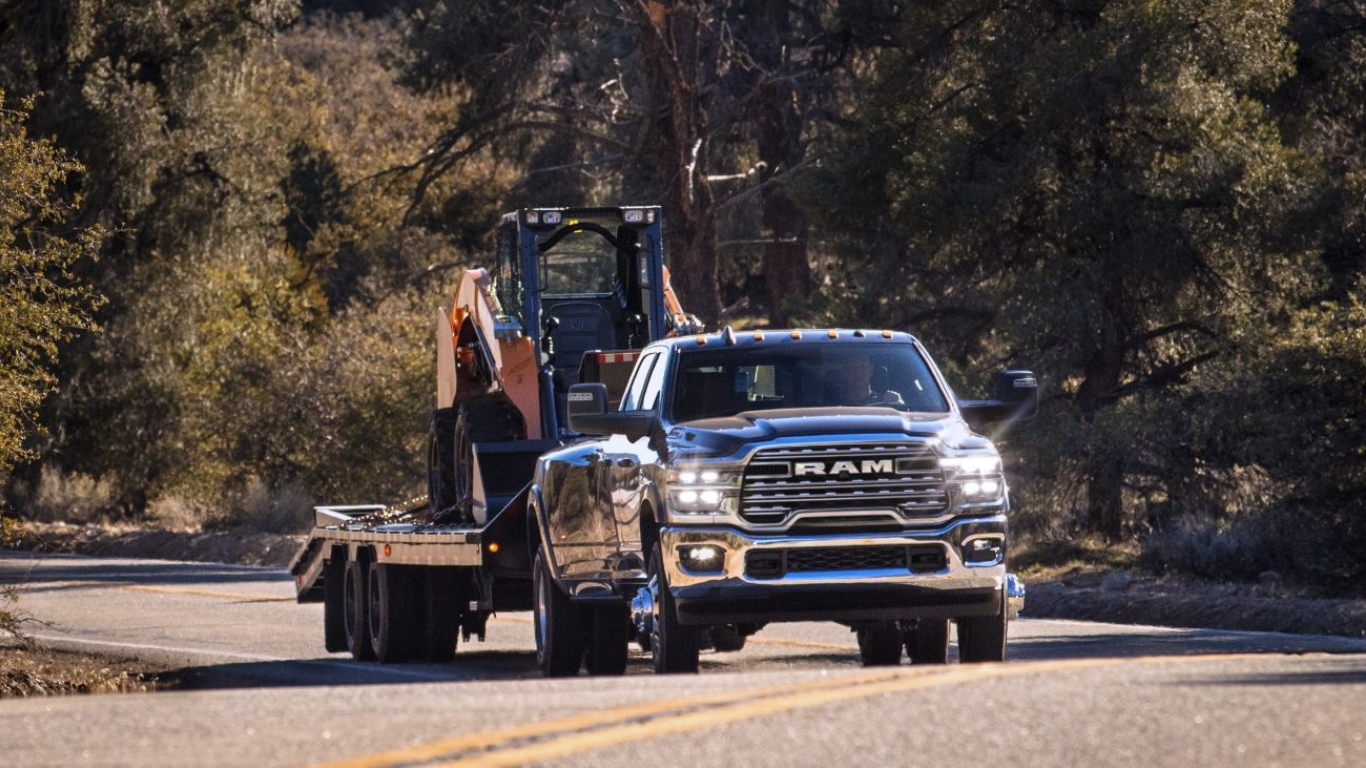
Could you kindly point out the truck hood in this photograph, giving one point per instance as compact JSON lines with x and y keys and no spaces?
{"x":729,"y":435}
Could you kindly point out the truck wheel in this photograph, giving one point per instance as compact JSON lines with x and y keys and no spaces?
{"x":609,"y":640}
{"x":443,"y":600}
{"x":558,"y":622}
{"x":355,"y":611}
{"x":673,"y":646}
{"x":392,"y":613}
{"x":334,"y":605}
{"x":726,"y":637}
{"x":983,"y":638}
{"x":928,"y":643}
{"x":880,"y":646}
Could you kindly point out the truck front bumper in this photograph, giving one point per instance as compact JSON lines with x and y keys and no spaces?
{"x":954,"y":571}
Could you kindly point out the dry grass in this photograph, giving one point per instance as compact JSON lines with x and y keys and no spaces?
{"x":31,"y":671}
{"x":1053,"y":559}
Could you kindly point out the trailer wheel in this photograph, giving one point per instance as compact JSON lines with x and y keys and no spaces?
{"x":673,"y":646}
{"x":880,"y":646}
{"x":355,"y":610}
{"x":928,"y":642}
{"x":983,"y":638}
{"x":559,"y":624}
{"x":609,"y":639}
{"x":334,"y":605}
{"x":444,"y":596}
{"x":392,"y":613}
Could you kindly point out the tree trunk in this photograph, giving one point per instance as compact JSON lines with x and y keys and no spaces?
{"x":679,"y":53}
{"x":787,"y":273}
{"x":1105,"y":468}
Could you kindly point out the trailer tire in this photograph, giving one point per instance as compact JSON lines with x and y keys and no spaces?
{"x":673,"y":646}
{"x":880,"y":646}
{"x":392,"y":613}
{"x":334,"y":605}
{"x":983,"y":638}
{"x":355,"y":607}
{"x":928,"y":642}
{"x":558,"y":623}
{"x":609,"y":640}
{"x":444,"y":595}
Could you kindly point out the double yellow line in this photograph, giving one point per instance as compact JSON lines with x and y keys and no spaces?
{"x":603,"y":728}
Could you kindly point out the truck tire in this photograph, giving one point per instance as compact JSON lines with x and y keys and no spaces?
{"x":726,"y":638}
{"x":355,"y":609}
{"x":673,"y":646}
{"x":880,"y":646}
{"x":983,"y":638}
{"x":393,"y":614}
{"x":444,"y":594}
{"x":334,"y":605}
{"x":928,"y":642}
{"x":608,"y":640}
{"x":559,"y":624}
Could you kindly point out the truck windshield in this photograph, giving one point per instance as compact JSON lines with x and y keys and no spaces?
{"x":712,"y":383}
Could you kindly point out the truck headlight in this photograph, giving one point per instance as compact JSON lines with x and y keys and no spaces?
{"x":704,"y":489}
{"x":978,"y":476}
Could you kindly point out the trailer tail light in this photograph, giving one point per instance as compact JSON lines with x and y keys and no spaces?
{"x":493,"y":547}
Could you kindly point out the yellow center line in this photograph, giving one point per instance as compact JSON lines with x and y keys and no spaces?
{"x":238,"y":596}
{"x":604,"y":728}
{"x":595,"y":718}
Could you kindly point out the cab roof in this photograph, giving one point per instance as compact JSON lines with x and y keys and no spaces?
{"x":728,"y":337}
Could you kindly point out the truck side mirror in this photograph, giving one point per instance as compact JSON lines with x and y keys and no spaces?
{"x":588,"y":414}
{"x":1015,"y":397}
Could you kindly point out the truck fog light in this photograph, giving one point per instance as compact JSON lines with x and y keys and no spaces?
{"x":701,"y":559}
{"x":988,"y":549}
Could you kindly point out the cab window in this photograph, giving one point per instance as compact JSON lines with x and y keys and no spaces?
{"x":638,"y":381}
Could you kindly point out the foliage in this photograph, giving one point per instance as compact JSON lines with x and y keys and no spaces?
{"x":1158,"y":206}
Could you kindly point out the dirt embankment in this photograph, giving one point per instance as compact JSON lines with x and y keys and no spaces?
{"x":1120,"y":598}
{"x":241,"y":547}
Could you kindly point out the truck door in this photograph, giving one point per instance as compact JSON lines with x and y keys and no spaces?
{"x":628,"y":460}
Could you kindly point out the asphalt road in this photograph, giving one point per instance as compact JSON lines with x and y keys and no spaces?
{"x":1074,"y":693}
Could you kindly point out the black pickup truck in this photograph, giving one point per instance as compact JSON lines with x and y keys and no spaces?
{"x":755,"y":477}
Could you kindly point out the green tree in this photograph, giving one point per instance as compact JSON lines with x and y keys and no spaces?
{"x":42,"y":304}
{"x":1095,"y":190}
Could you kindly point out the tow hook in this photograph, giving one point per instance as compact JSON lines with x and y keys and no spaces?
{"x":1015,"y":596}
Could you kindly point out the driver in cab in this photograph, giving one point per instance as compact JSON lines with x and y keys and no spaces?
{"x":851,"y":384}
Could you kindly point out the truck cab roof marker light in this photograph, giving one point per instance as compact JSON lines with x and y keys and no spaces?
{"x":701,"y":340}
{"x":832,"y":333}
{"x":796,"y":334}
{"x":758,"y":335}
{"x":886,"y":334}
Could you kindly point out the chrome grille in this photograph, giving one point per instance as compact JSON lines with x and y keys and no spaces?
{"x":773,"y":490}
